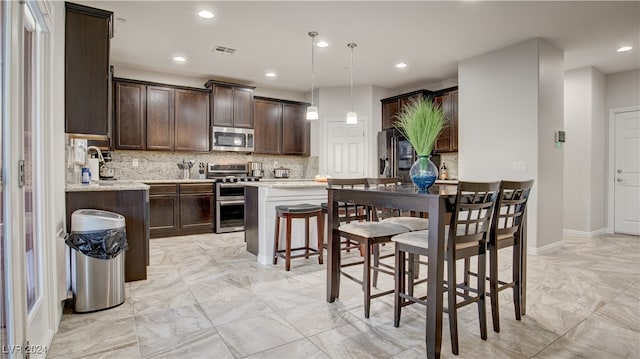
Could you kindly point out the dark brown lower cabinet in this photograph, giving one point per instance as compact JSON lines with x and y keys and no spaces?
{"x":134,"y":206}
{"x":180,"y":209}
{"x":164,"y":210}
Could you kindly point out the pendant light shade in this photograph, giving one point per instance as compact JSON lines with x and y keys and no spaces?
{"x":312,"y":111}
{"x":352,"y":116}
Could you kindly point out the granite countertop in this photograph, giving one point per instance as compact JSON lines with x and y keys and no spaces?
{"x":190,"y":180}
{"x":286,"y":183}
{"x":115,"y":185}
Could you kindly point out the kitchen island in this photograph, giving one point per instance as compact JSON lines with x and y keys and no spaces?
{"x":128,"y":198}
{"x":261,"y":199}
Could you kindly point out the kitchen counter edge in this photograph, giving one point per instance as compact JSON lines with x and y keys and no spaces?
{"x":108,"y":186}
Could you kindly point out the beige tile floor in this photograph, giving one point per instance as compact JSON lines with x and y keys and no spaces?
{"x":206,"y":297}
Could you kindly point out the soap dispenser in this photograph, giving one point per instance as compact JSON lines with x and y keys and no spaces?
{"x":444,"y":173}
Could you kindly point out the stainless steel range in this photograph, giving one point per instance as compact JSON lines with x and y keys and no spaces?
{"x":229,"y":211}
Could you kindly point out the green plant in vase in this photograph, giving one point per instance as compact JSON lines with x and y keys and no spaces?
{"x":421,"y":122}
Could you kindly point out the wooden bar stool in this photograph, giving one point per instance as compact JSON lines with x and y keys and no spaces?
{"x":289,"y":213}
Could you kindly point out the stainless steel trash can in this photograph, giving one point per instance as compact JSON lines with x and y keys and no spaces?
{"x":96,"y":283}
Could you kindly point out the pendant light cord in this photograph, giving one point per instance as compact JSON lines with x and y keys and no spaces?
{"x":313,"y":35}
{"x":351,"y":45}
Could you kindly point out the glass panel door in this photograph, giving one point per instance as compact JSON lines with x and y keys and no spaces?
{"x":31,"y":246}
{"x":3,"y":301}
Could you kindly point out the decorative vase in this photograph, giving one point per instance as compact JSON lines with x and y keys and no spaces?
{"x":423,"y":173}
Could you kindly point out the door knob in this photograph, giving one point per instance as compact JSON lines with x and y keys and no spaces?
{"x":618,"y":180}
{"x":619,"y":171}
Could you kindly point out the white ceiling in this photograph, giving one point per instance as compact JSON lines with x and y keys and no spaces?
{"x":430,"y":36}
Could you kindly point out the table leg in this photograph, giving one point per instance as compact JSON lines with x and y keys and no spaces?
{"x":435,"y":284}
{"x":523,"y":267}
{"x":333,"y":251}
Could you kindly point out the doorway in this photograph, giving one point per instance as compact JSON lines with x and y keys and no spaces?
{"x":345,"y":149}
{"x":624,"y":169}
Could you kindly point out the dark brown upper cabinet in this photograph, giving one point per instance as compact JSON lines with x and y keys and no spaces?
{"x":448,"y":139}
{"x":151,"y":116}
{"x":129,"y":107}
{"x":160,"y":118}
{"x":296,"y":128}
{"x":267,"y":121}
{"x":392,"y":106}
{"x":231,"y":104}
{"x":281,"y":127}
{"x":191,"y":120}
{"x":87,"y":75}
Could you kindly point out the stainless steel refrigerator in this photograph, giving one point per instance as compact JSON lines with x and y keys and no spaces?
{"x":396,"y":155}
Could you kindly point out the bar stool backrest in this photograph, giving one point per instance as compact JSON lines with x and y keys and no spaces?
{"x":470,"y":224}
{"x":510,"y":209}
{"x":346,"y":182}
{"x":383,"y":182}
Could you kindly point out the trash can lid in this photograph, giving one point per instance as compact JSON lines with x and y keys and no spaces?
{"x":86,"y":220}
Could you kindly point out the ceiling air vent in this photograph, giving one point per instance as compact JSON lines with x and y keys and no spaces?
{"x":224,"y":50}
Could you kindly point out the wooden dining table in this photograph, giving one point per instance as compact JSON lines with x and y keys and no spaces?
{"x":436,"y":203}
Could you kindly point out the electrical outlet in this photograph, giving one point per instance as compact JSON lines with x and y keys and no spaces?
{"x":134,"y":163}
{"x":275,"y":164}
{"x":519,"y":166}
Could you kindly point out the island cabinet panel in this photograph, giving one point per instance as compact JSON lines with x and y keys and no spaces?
{"x":251,"y":230}
{"x":87,"y":75}
{"x":231,"y":104}
{"x":281,"y":127}
{"x":134,"y":206}
{"x":295,"y":138}
{"x":448,"y":139}
{"x":268,"y":126}
{"x":160,"y":118}
{"x":180,"y":209}
{"x":191,"y":120}
{"x":130,"y":125}
{"x":164,"y":210}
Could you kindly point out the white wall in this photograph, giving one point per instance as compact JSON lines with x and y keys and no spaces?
{"x":501,"y":105}
{"x":550,"y":158}
{"x":334,"y":103}
{"x":623,"y":89}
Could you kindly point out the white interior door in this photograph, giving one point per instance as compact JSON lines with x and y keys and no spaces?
{"x":627,"y":173}
{"x":345,"y":149}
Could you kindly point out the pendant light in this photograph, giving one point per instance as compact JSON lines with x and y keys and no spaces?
{"x":312,"y":111}
{"x":352,"y":117}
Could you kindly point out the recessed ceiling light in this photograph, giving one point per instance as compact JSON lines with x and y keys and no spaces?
{"x":322,"y":44}
{"x":401,"y":65}
{"x":179,"y":59}
{"x":270,"y":74}
{"x":205,"y":14}
{"x":625,"y":48}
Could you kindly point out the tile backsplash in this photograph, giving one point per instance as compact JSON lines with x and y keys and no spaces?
{"x":161,"y":165}
{"x":451,"y":160}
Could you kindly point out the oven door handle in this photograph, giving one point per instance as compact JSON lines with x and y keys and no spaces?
{"x":224,"y":203}
{"x":227,"y":185}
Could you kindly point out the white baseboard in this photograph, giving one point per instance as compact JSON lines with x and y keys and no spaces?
{"x":544,"y":250}
{"x":583,"y":234}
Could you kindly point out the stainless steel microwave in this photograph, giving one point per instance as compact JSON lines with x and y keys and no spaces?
{"x":231,"y":139}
